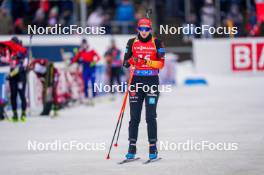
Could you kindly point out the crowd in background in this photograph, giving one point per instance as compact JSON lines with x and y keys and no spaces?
{"x":233,"y":13}
{"x":119,"y":16}
{"x":15,"y":15}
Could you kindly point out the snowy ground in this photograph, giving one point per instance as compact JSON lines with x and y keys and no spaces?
{"x":230,"y":110}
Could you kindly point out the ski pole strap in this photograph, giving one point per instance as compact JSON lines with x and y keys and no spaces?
{"x":146,"y":72}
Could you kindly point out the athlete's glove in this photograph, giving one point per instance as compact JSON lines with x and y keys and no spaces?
{"x":92,"y":64}
{"x":137,"y":61}
{"x":75,"y":50}
{"x":14,"y":72}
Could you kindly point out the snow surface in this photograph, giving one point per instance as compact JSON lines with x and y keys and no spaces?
{"x":230,"y":109}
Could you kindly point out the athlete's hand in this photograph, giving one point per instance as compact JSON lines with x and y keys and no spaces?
{"x":92,"y":64}
{"x":137,"y":61}
{"x":14,"y":72}
{"x":75,"y":50}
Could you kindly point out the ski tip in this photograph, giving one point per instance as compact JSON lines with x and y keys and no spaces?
{"x":107,"y":157}
{"x":115,"y":145}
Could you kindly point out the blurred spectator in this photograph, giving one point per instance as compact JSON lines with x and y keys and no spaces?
{"x":19,"y":26}
{"x":125,"y":11}
{"x":118,"y":16}
{"x":251,"y":21}
{"x":236,"y":17}
{"x":6,"y":22}
{"x":114,"y":64}
{"x":208,"y":14}
{"x":66,"y":18}
{"x":53,"y":16}
{"x":44,"y":5}
{"x":141,"y":10}
{"x":191,"y":22}
{"x":258,"y":29}
{"x":96,"y":18}
{"x":124,"y":17}
{"x":230,"y":24}
{"x":39,"y":19}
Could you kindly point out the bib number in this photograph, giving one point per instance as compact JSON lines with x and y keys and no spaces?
{"x":146,"y":57}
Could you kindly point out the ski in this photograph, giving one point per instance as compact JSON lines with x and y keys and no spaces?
{"x":129,"y":160}
{"x":152,"y":160}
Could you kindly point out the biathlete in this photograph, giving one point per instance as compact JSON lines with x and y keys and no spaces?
{"x":48,"y":74}
{"x":18,"y":61}
{"x":146,"y":54}
{"x":88,"y":58}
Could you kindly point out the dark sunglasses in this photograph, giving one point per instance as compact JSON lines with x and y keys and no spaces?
{"x":146,"y":29}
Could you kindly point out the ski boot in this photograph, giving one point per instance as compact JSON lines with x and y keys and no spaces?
{"x":2,"y":112}
{"x":46,"y":109}
{"x":15,"y":117}
{"x":153,"y":152}
{"x":23,"y":117}
{"x":55,"y":110}
{"x":92,"y":103}
{"x":131,"y":151}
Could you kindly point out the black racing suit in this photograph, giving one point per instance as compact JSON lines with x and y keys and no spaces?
{"x":18,"y":83}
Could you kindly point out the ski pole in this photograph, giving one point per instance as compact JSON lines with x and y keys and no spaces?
{"x":120,"y":125}
{"x":30,"y":55}
{"x":121,"y":112}
{"x":118,"y":133}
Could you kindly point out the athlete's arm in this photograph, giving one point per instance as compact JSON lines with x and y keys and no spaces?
{"x":21,"y":66}
{"x":158,"y":64}
{"x":76,"y":58}
{"x":128,"y":53}
{"x":97,"y":56}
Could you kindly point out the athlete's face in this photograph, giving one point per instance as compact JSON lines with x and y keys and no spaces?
{"x":113,"y":44}
{"x":85,"y":46}
{"x":144,"y":31}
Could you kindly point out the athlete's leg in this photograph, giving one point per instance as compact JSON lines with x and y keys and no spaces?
{"x":151,"y":100}
{"x":22,"y":94}
{"x":93,"y":79}
{"x":13,"y":90}
{"x":112,"y":80}
{"x":135,"y":100}
{"x":118,"y":75}
{"x":85,"y":82}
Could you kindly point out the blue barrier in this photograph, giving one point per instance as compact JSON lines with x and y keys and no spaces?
{"x":2,"y":83}
{"x":52,"y":53}
{"x":195,"y":81}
